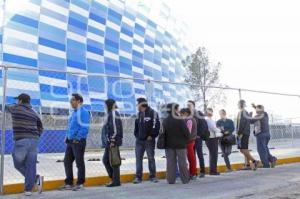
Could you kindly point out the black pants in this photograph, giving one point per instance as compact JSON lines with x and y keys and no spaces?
{"x":113,"y":172}
{"x":199,"y":151}
{"x":213,"y":148}
{"x":75,"y":152}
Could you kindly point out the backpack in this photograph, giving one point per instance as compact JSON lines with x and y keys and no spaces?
{"x":202,"y":127}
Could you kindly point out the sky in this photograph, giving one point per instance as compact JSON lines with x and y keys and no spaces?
{"x":257,"y":42}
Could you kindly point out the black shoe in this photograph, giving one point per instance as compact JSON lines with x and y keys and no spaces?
{"x":113,"y":185}
{"x":202,"y":175}
{"x":153,"y":180}
{"x":274,"y":162}
{"x":214,"y":174}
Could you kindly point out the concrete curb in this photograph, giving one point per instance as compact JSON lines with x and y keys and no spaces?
{"x":102,"y":180}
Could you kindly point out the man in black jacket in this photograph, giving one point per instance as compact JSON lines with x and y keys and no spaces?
{"x":146,"y":129}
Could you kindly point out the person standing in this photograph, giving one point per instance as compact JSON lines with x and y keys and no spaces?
{"x":177,"y":138}
{"x":27,"y":130}
{"x":77,"y":132}
{"x":262,"y":134}
{"x":212,"y":143}
{"x":243,"y":134}
{"x":227,"y":128}
{"x":192,"y":126}
{"x":147,"y":127}
{"x":202,"y":132}
{"x":113,"y":136}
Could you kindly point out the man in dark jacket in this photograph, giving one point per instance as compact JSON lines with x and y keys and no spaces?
{"x":243,"y":134}
{"x":27,"y":129}
{"x":146,"y":129}
{"x":202,"y":134}
{"x":262,"y":134}
{"x":113,"y":137}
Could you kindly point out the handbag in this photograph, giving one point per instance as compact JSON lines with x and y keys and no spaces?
{"x":114,"y":156}
{"x":229,"y":140}
{"x":161,"y":141}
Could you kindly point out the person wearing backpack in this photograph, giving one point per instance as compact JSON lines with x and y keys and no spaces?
{"x":202,"y":135}
{"x":113,"y":135}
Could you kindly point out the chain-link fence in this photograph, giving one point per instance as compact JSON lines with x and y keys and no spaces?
{"x":51,"y":90}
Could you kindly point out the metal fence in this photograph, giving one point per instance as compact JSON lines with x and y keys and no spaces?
{"x":282,"y":108}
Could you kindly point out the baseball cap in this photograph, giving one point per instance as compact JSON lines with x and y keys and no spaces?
{"x":25,"y":98}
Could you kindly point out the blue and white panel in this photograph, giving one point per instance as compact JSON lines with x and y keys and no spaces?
{"x":20,"y":47}
{"x":76,"y":35}
{"x":52,"y":53}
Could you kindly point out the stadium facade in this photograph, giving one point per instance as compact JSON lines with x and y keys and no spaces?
{"x":89,"y":46}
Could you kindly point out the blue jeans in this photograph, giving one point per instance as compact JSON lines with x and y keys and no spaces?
{"x":25,"y":159}
{"x":199,"y":151}
{"x":140,"y":147}
{"x":262,"y":141}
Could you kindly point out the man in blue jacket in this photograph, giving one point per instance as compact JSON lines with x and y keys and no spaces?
{"x":78,"y":128}
{"x":146,"y":129}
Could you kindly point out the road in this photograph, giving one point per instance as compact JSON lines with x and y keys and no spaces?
{"x":283,"y":182}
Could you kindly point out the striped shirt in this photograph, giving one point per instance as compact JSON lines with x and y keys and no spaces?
{"x":25,"y":121}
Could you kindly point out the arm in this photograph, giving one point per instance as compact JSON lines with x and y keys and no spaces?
{"x":155,"y":125}
{"x":231,"y":127}
{"x":40,"y":125}
{"x":118,"y":135}
{"x":184,"y":129}
{"x":136,"y":127}
{"x":84,"y":124}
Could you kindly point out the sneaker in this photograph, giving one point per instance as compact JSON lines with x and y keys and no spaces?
{"x":246,"y":168}
{"x":193,"y":177}
{"x":39,"y":183}
{"x":215,"y":174}
{"x":113,"y":185}
{"x":229,"y":170}
{"x":154,"y":180}
{"x":274,"y":162}
{"x":27,"y":193}
{"x":65,"y":187}
{"x":78,"y":187}
{"x":137,"y":181}
{"x":255,"y":165}
{"x":202,"y":175}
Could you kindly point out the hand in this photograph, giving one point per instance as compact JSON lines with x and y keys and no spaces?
{"x":149,"y":138}
{"x":75,"y":142}
{"x":112,"y":144}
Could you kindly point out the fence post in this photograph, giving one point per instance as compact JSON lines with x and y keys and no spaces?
{"x":4,"y":69}
{"x":240,"y":94}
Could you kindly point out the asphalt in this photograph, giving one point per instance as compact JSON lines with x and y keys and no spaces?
{"x":282,"y":182}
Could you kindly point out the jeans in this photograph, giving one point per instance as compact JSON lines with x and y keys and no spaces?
{"x":262,"y":141}
{"x":25,"y":159}
{"x":226,"y":151}
{"x":199,"y":151}
{"x":113,"y":172}
{"x":75,"y":152}
{"x":212,"y":144}
{"x":140,"y":147}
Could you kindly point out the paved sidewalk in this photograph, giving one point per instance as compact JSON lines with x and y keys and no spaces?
{"x":281,"y":182}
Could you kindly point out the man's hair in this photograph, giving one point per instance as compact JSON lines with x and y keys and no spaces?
{"x":242,"y":103}
{"x":223,"y":110}
{"x":78,"y":97}
{"x":110,"y":104}
{"x":210,"y":109}
{"x":192,"y":102}
{"x":142,"y":101}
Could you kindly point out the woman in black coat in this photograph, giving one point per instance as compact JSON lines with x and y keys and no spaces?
{"x":113,"y":135}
